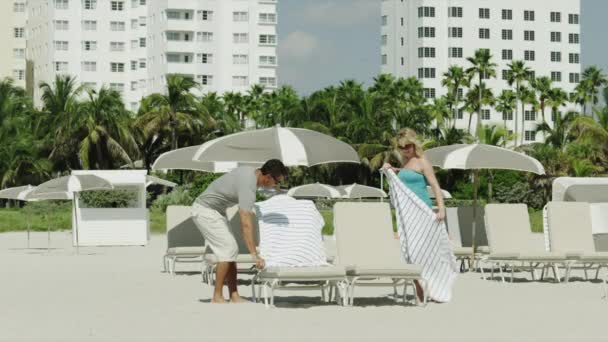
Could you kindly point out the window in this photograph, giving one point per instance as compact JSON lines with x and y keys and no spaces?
{"x":89,"y":45}
{"x":556,"y":37}
{"x":529,"y":115}
{"x":241,"y":59}
{"x":117,"y":46}
{"x":134,"y":85}
{"x":574,"y":58}
{"x":454,"y":52}
{"x":205,"y":15}
{"x":142,"y":42}
{"x":556,"y":17}
{"x":18,"y":32}
{"x":402,"y":41}
{"x":402,"y":61}
{"x":89,"y":4}
{"x":485,"y":114}
{"x":268,"y":39}
{"x":117,"y":67}
{"x":484,"y":13}
{"x":133,"y":65}
{"x":426,"y":32}
{"x":529,"y":35}
{"x":506,"y":74}
{"x":401,"y":21}
{"x":426,"y":72}
{"x":117,"y":25}
{"x":268,"y":81}
{"x":455,"y":32}
{"x":19,"y":7}
{"x":268,"y":60}
{"x":204,"y":58}
{"x":173,"y":14}
{"x":383,"y":40}
{"x":119,"y":87}
{"x":507,"y":34}
{"x":239,"y":38}
{"x":384,"y":20}
{"x":240,"y":16}
{"x":455,"y":12}
{"x":532,"y":75}
{"x":556,"y":56}
{"x":267,"y":18}
{"x":383,"y":59}
{"x":61,"y":66}
{"x":507,"y":14}
{"x":426,"y":52}
{"x":205,"y":79}
{"x":507,"y":116}
{"x":529,"y":15}
{"x":61,"y":45}
{"x":428,"y":12}
{"x":529,"y":55}
{"x":459,"y":113}
{"x":142,"y":21}
{"x":556,"y":76}
{"x":573,"y":19}
{"x":574,"y":77}
{"x":142,"y":63}
{"x":61,"y":25}
{"x":19,"y":53}
{"x":530,"y":135}
{"x":90,"y":25}
{"x":484,"y":33}
{"x":61,"y":4}
{"x":573,"y":38}
{"x":89,"y":66}
{"x":89,"y":85}
{"x":117,"y":5}
{"x":133,"y":24}
{"x":204,"y":36}
{"x":428,"y":93}
{"x":239,"y":81}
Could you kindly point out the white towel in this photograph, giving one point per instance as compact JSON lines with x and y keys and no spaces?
{"x":290,"y":232}
{"x":424,"y":240}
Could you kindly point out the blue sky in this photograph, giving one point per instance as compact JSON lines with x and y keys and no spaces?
{"x":322,"y":42}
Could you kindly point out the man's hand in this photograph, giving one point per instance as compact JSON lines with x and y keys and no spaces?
{"x":259,"y":262}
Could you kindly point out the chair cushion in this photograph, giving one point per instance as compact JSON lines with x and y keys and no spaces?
{"x":303,"y":273}
{"x":407,"y":270}
{"x":503,"y":256}
{"x":463,"y":251}
{"x":187,"y":251}
{"x":211,"y":258}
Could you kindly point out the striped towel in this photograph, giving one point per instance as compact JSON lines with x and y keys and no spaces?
{"x":424,"y":240}
{"x":290,"y":232}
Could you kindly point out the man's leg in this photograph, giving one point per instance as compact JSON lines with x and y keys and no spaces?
{"x":221,"y":272}
{"x":232,"y":285}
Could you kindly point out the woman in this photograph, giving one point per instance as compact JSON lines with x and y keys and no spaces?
{"x":416,"y":171}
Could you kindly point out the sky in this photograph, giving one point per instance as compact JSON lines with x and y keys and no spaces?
{"x":322,"y":42}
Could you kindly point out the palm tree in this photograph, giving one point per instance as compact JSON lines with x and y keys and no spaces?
{"x":483,"y":67}
{"x":506,"y":103}
{"x":495,"y":136}
{"x":593,"y":79}
{"x":518,"y":73}
{"x":440,"y":112}
{"x":476,"y":97}
{"x":542,"y":86}
{"x":454,"y":79}
{"x":559,"y":135}
{"x":525,"y":95}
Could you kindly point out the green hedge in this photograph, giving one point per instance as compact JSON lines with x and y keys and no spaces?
{"x":117,"y":198}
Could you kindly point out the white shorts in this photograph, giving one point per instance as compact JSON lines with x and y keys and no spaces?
{"x":216,"y":231}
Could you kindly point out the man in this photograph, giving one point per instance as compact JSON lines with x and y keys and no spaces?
{"x":209,"y":211}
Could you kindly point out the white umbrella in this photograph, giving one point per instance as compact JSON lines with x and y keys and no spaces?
{"x":361,"y":191}
{"x":293,"y":146}
{"x":64,"y":188}
{"x":19,"y":193}
{"x":480,"y":156}
{"x":181,"y":159}
{"x":156,"y":180}
{"x":314,"y":190}
{"x":445,"y":193}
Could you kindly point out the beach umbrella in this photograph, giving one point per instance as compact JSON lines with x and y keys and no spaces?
{"x":361,"y":191}
{"x":181,"y":159}
{"x":478,"y":157}
{"x":445,"y":193}
{"x":293,"y":146}
{"x":18,"y":193}
{"x":156,"y":180}
{"x":64,"y":188}
{"x":314,"y":190}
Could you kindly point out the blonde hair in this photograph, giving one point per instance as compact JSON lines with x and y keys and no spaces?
{"x":407,"y":136}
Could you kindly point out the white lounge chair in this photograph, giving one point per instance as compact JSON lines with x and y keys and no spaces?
{"x":185,"y":243}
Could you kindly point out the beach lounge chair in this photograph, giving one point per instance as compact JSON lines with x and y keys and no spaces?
{"x":453,"y":224}
{"x":185,"y":243}
{"x":512,"y":244}
{"x":570,"y":232}
{"x":368,"y":251}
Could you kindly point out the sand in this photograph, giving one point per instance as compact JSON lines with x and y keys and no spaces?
{"x":121,"y":294}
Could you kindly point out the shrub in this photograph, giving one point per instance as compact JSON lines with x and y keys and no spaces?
{"x":179,"y":196}
{"x":117,"y":198}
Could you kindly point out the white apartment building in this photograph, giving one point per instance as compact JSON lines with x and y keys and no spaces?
{"x":131,"y":45}
{"x":12,"y":37}
{"x":422,"y":38}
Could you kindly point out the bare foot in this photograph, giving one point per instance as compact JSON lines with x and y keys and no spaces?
{"x":218,"y":300}
{"x":236,"y":299}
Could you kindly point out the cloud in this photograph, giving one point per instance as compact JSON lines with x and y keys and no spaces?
{"x":299,"y":46}
{"x":342,"y":13}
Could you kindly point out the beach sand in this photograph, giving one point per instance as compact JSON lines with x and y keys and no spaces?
{"x":121,"y":294}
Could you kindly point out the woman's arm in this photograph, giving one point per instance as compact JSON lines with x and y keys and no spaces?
{"x":388,"y":166}
{"x":429,"y":173}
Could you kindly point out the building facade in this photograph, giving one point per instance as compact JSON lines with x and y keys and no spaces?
{"x":132,"y":45}
{"x":423,"y":38}
{"x":12,"y":37}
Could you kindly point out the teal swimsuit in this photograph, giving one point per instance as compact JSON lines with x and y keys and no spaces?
{"x":417,"y":183}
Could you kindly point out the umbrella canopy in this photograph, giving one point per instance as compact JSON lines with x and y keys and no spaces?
{"x":481,"y":156}
{"x":155,"y":180}
{"x":63,"y":187}
{"x":181,"y":159}
{"x":314,"y":190}
{"x":445,"y":193}
{"x":293,"y":146}
{"x":17,"y":193}
{"x":361,"y":191}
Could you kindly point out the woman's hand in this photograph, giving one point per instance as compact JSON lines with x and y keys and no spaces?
{"x":387,"y":166}
{"x":440,"y":216}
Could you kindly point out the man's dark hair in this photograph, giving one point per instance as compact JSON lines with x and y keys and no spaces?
{"x":275,"y":168}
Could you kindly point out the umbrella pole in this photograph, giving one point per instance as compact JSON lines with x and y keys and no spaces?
{"x":75,"y":222}
{"x":27,"y":219}
{"x":48,"y":233}
{"x":475,"y":187}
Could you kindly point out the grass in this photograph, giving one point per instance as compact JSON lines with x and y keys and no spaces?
{"x":15,"y":220}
